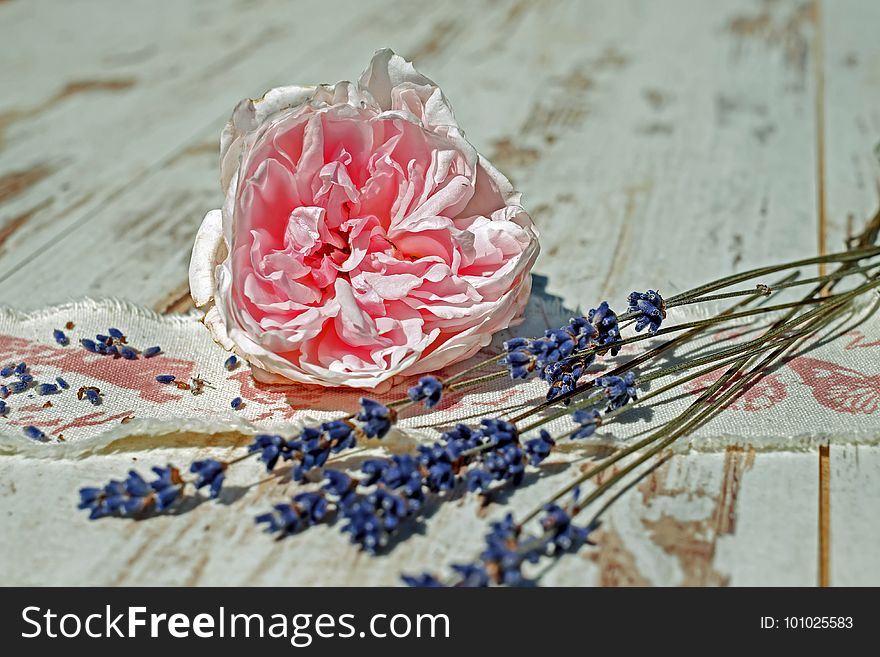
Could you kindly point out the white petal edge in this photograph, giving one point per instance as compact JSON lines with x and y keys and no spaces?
{"x":213,"y":320}
{"x":388,"y":71}
{"x":204,"y":258}
{"x":248,"y":115}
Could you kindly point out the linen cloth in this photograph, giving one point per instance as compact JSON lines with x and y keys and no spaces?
{"x":829,"y":390}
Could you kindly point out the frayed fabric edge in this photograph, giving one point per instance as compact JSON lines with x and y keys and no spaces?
{"x":89,"y":303}
{"x":400,"y":440}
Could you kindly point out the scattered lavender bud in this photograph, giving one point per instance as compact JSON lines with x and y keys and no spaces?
{"x":21,"y":368}
{"x":166,"y":378}
{"x":152,"y":351}
{"x":3,"y":408}
{"x":18,"y":386}
{"x":103,"y":339}
{"x":61,"y":383}
{"x":116,"y":333}
{"x":4,"y":392}
{"x":33,"y":433}
{"x":236,"y":403}
{"x":91,"y":393}
{"x":60,"y":338}
{"x":26,"y":378}
{"x":89,"y":345}
{"x":231,"y":363}
{"x":47,"y":389}
{"x":7,"y":371}
{"x":128,"y":353}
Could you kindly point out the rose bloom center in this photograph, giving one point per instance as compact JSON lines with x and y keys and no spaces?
{"x":362,"y":239}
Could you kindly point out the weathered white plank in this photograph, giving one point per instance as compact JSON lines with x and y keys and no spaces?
{"x":852,"y":174}
{"x":852,"y":117}
{"x":855,"y":497}
{"x":678,"y":526}
{"x":688,"y":522}
{"x":81,"y":138}
{"x":215,"y":543}
{"x":146,"y":230}
{"x":573,"y":107}
{"x":677,"y":162}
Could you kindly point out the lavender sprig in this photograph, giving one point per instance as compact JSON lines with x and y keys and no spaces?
{"x":389,"y":492}
{"x":310,"y":451}
{"x":492,"y":453}
{"x":392,"y":491}
{"x":562,"y":356}
{"x":508,"y":548}
{"x":314,"y":445}
{"x":134,"y":494}
{"x":551,"y":356}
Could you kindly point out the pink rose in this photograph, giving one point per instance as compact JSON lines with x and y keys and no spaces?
{"x":361,"y":236}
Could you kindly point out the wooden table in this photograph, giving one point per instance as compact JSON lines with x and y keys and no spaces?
{"x":657,"y":144}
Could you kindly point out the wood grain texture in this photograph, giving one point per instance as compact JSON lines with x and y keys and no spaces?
{"x":127,"y":157}
{"x":855,"y":495}
{"x":656,"y":144}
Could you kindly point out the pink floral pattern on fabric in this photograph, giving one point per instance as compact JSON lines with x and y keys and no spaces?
{"x":839,"y":388}
{"x":758,"y":396}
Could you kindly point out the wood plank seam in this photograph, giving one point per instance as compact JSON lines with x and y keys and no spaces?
{"x":824,"y":453}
